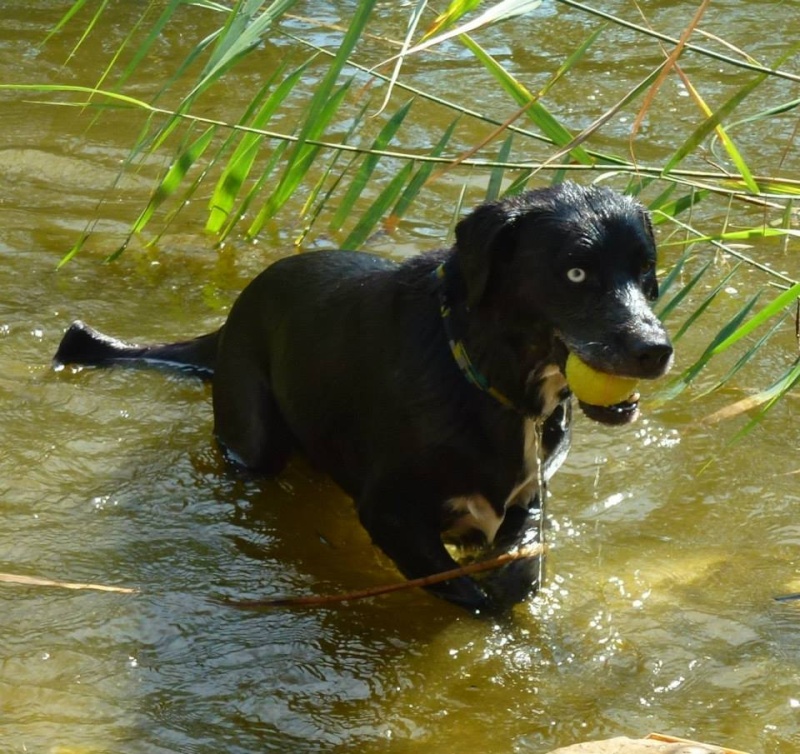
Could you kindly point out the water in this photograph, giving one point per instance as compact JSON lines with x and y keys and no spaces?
{"x":669,"y":539}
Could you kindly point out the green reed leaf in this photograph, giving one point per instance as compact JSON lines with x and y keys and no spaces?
{"x":747,"y":356}
{"x":241,"y":162}
{"x":421,"y":176}
{"x":549,"y":125}
{"x":496,"y":176}
{"x":298,"y":163}
{"x":706,"y":302}
{"x":773,"y":394}
{"x":748,"y":234}
{"x":680,"y":383}
{"x":367,"y":167}
{"x":318,"y":116}
{"x":684,"y":291}
{"x":785,"y":299}
{"x":378,"y":209}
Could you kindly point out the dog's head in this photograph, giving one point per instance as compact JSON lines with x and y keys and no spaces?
{"x":578,"y":262}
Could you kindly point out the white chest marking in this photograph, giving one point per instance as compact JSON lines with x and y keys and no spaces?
{"x":551,"y":382}
{"x":476,"y":512}
{"x":524,"y":492}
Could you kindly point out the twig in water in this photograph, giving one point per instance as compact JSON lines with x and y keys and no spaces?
{"x":787,"y":597}
{"x":13,"y":578}
{"x":689,"y":745}
{"x":316,"y":600}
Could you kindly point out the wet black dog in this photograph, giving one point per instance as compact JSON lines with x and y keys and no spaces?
{"x":433,"y":392}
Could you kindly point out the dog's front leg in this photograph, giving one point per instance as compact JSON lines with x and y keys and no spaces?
{"x":410,"y":536}
{"x":514,"y":582}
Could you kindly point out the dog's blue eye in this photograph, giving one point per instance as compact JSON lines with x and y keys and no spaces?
{"x":576,"y":274}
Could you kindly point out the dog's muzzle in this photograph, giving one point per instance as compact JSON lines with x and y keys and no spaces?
{"x":647,"y":361}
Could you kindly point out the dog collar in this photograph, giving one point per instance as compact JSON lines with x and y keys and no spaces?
{"x":459,"y":350}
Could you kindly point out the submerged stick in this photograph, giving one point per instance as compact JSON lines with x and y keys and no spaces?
{"x":787,"y":597}
{"x":315,"y":600}
{"x":667,"y":739}
{"x":13,"y":578}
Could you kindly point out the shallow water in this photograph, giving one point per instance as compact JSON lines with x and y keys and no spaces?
{"x":669,"y":540}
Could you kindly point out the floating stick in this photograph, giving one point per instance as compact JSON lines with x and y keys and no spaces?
{"x":315,"y":600}
{"x":13,"y":578}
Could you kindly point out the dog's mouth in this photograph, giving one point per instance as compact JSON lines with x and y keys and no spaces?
{"x":619,"y":413}
{"x":624,"y":412}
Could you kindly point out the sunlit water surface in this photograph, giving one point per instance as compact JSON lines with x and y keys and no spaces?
{"x":668,"y":540}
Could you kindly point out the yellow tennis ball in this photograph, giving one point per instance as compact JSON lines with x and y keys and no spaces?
{"x":597,"y":388}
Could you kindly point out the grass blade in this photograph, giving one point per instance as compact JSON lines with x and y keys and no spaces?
{"x":769,"y":397}
{"x":242,"y":32}
{"x":312,"y":215}
{"x":367,"y":167}
{"x":274,"y":159}
{"x":748,"y":234}
{"x":67,"y":17}
{"x":536,"y":111}
{"x":496,"y":176}
{"x":747,"y":355}
{"x":666,"y":282}
{"x":664,"y":210}
{"x":155,"y":31}
{"x":715,"y":291}
{"x":418,"y":181}
{"x":679,"y":384}
{"x":379,"y":207}
{"x":319,"y":114}
{"x":298,"y":164}
{"x":501,"y":11}
{"x":450,"y":15}
{"x":413,"y":21}
{"x":684,"y":291}
{"x":714,"y":121}
{"x":241,"y":162}
{"x":770,"y":310}
{"x":176,"y":173}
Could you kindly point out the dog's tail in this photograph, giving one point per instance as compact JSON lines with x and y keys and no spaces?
{"x":84,"y":345}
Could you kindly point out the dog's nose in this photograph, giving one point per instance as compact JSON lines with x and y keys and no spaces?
{"x":654,"y":358}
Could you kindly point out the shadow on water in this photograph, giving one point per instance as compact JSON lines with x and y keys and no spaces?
{"x":404,"y":667}
{"x":304,"y":678}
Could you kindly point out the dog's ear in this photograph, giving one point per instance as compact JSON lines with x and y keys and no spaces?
{"x":478,"y":237}
{"x":651,"y":284}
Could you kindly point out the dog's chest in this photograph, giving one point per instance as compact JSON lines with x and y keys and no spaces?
{"x":549,"y":383}
{"x":530,"y":474}
{"x":476,"y":512}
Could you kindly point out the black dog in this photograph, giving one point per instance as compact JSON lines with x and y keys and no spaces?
{"x":433,"y":392}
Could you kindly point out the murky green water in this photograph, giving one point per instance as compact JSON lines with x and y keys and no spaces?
{"x":669,"y":541}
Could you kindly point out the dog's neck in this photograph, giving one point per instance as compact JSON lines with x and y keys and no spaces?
{"x":448,"y":284}
{"x":488,"y":356}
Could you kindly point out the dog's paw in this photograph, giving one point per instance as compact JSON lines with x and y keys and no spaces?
{"x":513,"y":583}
